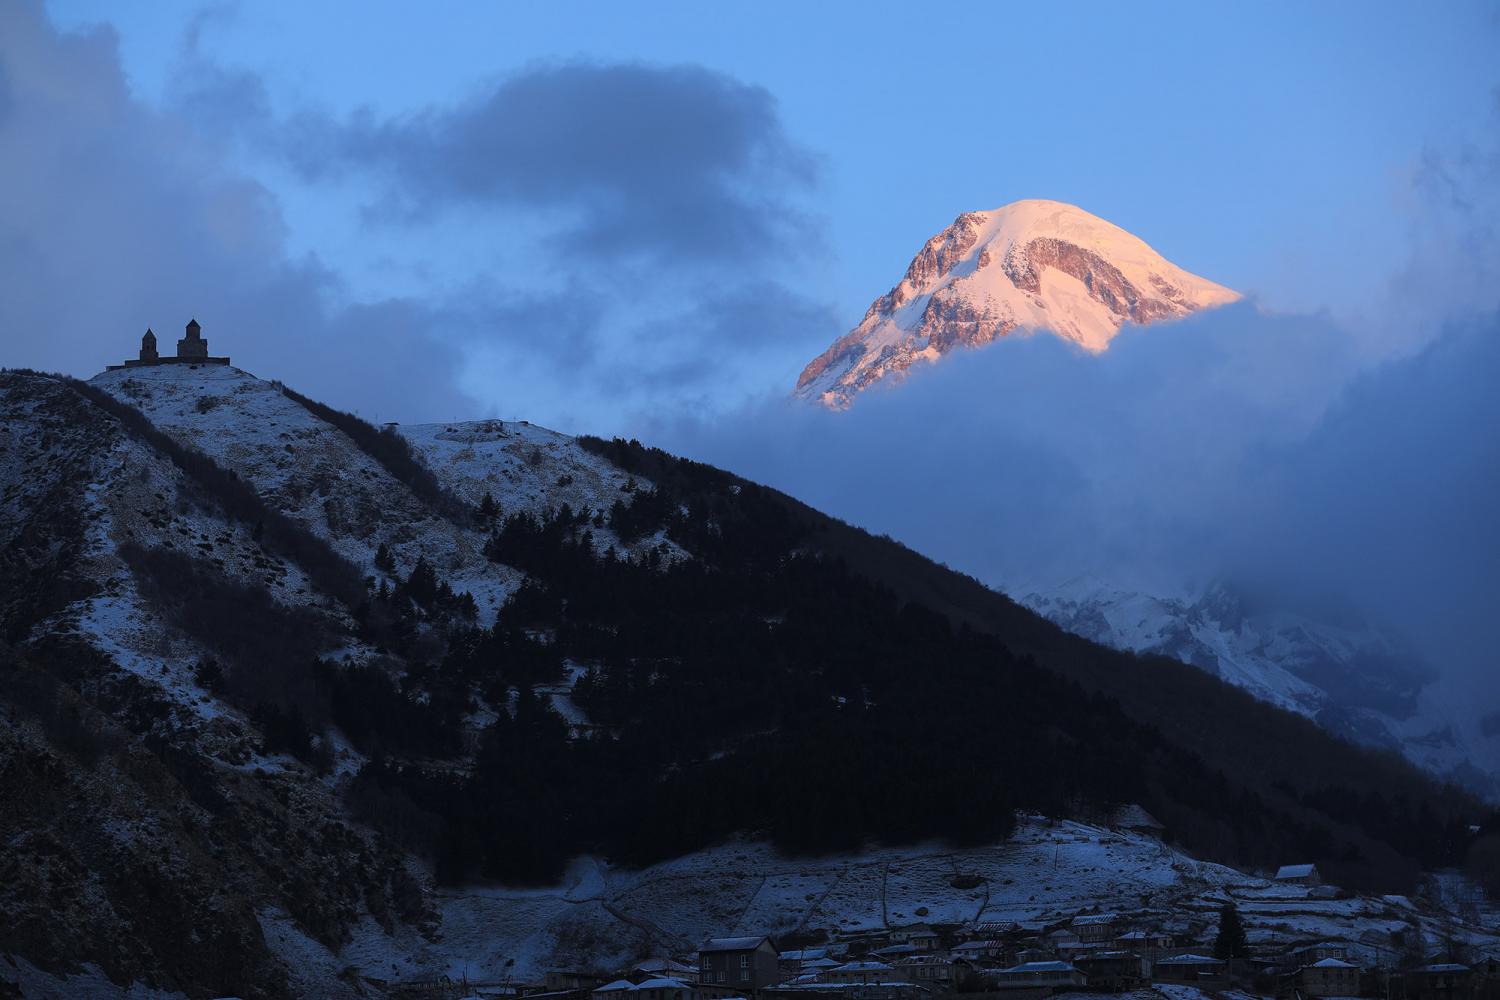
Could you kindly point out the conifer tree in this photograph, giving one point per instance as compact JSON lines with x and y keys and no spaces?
{"x":1230,"y":944}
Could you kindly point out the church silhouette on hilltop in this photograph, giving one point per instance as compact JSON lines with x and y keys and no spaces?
{"x":191,"y":350}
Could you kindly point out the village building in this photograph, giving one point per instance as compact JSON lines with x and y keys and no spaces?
{"x":192,"y":349}
{"x":664,"y":967}
{"x":896,"y":989}
{"x":563,"y":982}
{"x":795,"y":961}
{"x":818,"y":966}
{"x":746,"y":963}
{"x":920,"y":936}
{"x":861,"y":973}
{"x":1308,"y":954}
{"x":862,"y":942}
{"x":662,"y":988}
{"x":1000,"y":928}
{"x":716,"y":991}
{"x":1095,"y":928}
{"x":1043,"y":975}
{"x":979,"y":952}
{"x":1188,"y":969}
{"x":1147,"y":944}
{"x":1113,"y":970}
{"x":926,"y":969}
{"x":1066,"y":943}
{"x":1299,"y":875}
{"x":619,"y":989}
{"x":1438,"y":981}
{"x":1328,"y":977}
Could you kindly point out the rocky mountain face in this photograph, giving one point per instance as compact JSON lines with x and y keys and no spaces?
{"x":287,"y":697}
{"x":1349,"y":676}
{"x":1029,"y":266}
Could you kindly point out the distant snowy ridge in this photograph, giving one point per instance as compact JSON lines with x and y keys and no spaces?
{"x":1350,"y":677}
{"x":1029,"y":266}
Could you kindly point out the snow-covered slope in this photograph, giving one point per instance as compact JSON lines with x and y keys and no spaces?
{"x":1351,"y":677}
{"x":605,"y":917}
{"x":151,"y":806}
{"x":1031,"y":265}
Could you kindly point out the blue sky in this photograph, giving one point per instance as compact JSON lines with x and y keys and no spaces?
{"x":1270,"y":147}
{"x":1255,"y":145}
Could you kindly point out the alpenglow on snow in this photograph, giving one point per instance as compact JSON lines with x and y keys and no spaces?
{"x":1031,"y":265}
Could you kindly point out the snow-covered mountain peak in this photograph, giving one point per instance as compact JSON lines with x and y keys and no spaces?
{"x":1030,"y":265}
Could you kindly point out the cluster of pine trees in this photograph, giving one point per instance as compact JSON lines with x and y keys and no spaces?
{"x":762,"y":688}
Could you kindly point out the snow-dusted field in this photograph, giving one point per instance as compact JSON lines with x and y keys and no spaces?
{"x":601,"y":917}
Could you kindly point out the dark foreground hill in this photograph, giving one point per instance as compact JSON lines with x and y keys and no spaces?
{"x":261,"y":656}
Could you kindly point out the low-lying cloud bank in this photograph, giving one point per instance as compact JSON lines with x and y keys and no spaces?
{"x":1232,"y":443}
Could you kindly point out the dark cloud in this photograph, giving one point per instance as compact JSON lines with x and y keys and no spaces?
{"x":674,"y":162}
{"x":1032,"y":460}
{"x":153,"y":212}
{"x":115,"y":217}
{"x":650,"y":213}
{"x":1231,"y":445}
{"x":761,"y":324}
{"x":1393,"y":498}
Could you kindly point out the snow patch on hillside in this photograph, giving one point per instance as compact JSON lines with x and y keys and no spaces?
{"x":600,"y":917}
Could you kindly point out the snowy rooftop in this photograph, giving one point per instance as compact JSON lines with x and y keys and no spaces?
{"x":731,"y":944}
{"x":1095,"y":918}
{"x":1040,"y":967}
{"x":1296,"y":871}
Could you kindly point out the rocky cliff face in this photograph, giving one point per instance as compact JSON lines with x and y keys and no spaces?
{"x":1029,"y":266}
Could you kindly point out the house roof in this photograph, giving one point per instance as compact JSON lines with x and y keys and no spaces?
{"x":1296,"y":871}
{"x":1088,"y":919}
{"x":1190,"y":960}
{"x":821,"y":963}
{"x":804,"y":954}
{"x":1041,"y":967}
{"x":732,"y":944}
{"x":619,"y":985}
{"x":1445,"y":967}
{"x":895,"y":949}
{"x":1333,"y":963}
{"x":662,"y":965}
{"x":662,"y":983}
{"x":979,"y":945}
{"x":799,"y":987}
{"x":862,"y":967}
